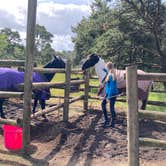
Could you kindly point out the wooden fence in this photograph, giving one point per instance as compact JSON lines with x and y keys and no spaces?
{"x":149,"y":102}
{"x":66,"y":85}
{"x":133,"y":114}
{"x":69,"y":82}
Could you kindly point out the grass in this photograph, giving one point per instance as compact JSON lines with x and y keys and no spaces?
{"x":157,"y":97}
{"x":93,"y":92}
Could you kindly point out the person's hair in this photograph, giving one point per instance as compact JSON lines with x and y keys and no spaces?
{"x":110,"y":67}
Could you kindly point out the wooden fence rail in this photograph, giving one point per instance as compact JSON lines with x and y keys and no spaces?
{"x":94,"y":77}
{"x":6,"y":63}
{"x":152,"y":115}
{"x":133,"y":114}
{"x":157,"y":77}
{"x":17,"y":122}
{"x":152,"y":142}
{"x":7,"y":94}
{"x":53,"y":108}
{"x":159,"y":91}
{"x":51,"y":84}
{"x":54,"y":70}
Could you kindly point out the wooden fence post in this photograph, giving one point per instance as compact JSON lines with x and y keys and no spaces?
{"x":30,"y":43}
{"x":132,"y":116}
{"x":67,"y":91}
{"x":86,"y":94}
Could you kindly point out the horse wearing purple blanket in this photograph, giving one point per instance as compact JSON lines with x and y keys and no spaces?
{"x":11,"y":78}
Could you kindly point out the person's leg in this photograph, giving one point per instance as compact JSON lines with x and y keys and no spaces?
{"x":112,"y":110}
{"x":112,"y":107}
{"x":103,"y":105}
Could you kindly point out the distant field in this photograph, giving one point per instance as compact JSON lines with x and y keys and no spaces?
{"x":153,"y":96}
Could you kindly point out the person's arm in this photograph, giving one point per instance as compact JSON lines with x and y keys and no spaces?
{"x":101,"y":89}
{"x":114,"y":75}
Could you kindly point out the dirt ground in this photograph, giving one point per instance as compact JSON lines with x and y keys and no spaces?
{"x":83,"y":141}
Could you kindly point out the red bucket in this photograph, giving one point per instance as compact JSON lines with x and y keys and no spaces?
{"x":12,"y":137}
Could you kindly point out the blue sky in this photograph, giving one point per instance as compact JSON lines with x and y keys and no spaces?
{"x":56,"y":15}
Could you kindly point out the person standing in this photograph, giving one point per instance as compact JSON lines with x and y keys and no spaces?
{"x":111,"y":91}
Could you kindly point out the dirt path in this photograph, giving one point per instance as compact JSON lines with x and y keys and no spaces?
{"x":84,"y":142}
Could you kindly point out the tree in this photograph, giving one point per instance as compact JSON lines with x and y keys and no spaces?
{"x":43,"y":40}
{"x":11,"y":46}
{"x":46,"y":53}
{"x":152,"y":15}
{"x":3,"y":44}
{"x":130,"y":32}
{"x":89,"y":29}
{"x":42,"y":37}
{"x":13,"y":37}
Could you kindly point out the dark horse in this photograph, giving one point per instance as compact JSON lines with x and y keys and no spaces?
{"x":10,"y":78}
{"x":94,"y":60}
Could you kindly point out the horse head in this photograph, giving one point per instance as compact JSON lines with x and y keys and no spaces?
{"x":91,"y":61}
{"x":94,"y":60}
{"x":56,"y":62}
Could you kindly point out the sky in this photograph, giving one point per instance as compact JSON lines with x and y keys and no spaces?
{"x":56,"y":15}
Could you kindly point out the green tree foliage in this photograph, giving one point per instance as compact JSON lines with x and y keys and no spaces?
{"x":42,"y":37}
{"x":130,"y":31}
{"x":47,"y":53}
{"x":3,"y":44}
{"x":43,"y":40}
{"x":10,"y":44}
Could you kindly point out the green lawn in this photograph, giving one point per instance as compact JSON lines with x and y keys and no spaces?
{"x":153,"y":96}
{"x":157,"y":97}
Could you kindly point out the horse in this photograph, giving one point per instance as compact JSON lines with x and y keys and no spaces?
{"x":94,"y":60}
{"x":11,"y":78}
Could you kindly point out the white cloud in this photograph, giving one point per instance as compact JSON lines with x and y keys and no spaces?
{"x":56,"y":15}
{"x":78,"y":2}
{"x":62,"y":42}
{"x":15,"y":8}
{"x":58,"y":18}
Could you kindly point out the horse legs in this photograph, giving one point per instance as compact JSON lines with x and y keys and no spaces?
{"x":1,"y":109}
{"x":34,"y":105}
{"x":43,"y":105}
{"x":144,"y":103}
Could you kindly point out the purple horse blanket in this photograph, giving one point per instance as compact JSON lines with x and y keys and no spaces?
{"x":10,"y":78}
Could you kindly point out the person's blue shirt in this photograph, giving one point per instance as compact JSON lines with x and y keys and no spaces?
{"x":111,"y":88}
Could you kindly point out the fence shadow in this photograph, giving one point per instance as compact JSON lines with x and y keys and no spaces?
{"x":65,"y":133}
{"x":91,"y":130}
{"x":13,"y":161}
